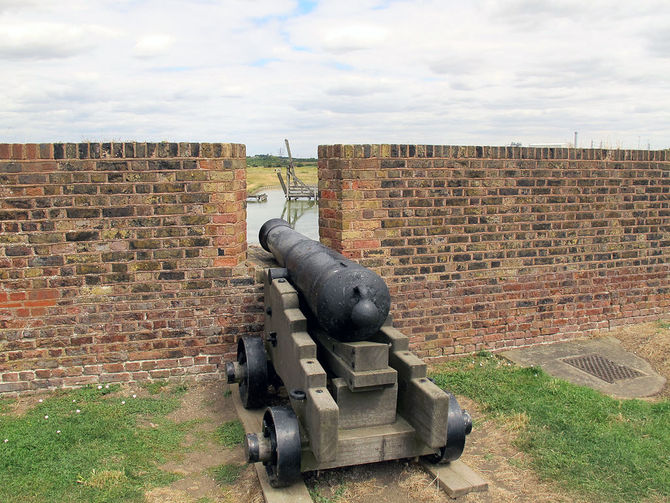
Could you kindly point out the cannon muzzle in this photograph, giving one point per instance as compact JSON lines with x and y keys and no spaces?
{"x":348,"y":301}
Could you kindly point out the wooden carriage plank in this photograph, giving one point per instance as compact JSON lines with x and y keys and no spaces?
{"x":456,"y":478}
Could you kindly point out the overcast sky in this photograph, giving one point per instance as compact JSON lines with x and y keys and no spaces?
{"x":336,"y":71}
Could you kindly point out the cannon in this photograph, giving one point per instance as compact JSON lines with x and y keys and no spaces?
{"x":354,"y":393}
{"x":347,"y":300}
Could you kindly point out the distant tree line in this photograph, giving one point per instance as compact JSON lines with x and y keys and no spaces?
{"x":273,"y":161}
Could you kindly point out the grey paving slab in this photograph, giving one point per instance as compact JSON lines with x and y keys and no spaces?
{"x":551,"y":357}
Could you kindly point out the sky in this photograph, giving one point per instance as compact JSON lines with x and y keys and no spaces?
{"x":478,"y":72}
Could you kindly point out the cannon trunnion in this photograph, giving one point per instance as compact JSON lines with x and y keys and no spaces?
{"x":356,"y":393}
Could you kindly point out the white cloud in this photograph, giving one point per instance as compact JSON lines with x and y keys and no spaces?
{"x":9,"y":5}
{"x":43,"y":40}
{"x":352,"y":37}
{"x":153,"y":45}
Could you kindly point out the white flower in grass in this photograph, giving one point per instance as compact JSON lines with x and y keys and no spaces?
{"x":58,"y":432}
{"x":46,"y":417}
{"x":99,"y":386}
{"x":6,"y":440}
{"x":134,"y":396}
{"x":78,"y":411}
{"x":123,"y":402}
{"x":74,"y":401}
{"x":40,"y":400}
{"x":106,"y":386}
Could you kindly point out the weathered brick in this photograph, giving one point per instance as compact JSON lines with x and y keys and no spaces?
{"x":142,"y":244}
{"x":117,"y":212}
{"x":82,"y":236}
{"x":90,"y":269}
{"x":83,"y":212}
{"x":18,"y":251}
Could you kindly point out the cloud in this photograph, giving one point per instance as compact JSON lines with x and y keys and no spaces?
{"x":150,"y":46}
{"x":352,"y":37}
{"x":659,"y":42}
{"x":49,"y":40}
{"x":10,"y":5}
{"x":358,"y":86}
{"x":434,"y":71}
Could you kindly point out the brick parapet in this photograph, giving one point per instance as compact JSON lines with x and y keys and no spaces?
{"x":120,"y":150}
{"x":121,"y":268}
{"x":488,"y":247}
{"x":381,"y":151}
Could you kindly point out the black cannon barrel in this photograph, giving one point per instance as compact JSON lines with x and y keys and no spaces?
{"x":349,"y":301}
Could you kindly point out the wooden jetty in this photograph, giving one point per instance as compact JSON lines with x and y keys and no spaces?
{"x":293,"y":186}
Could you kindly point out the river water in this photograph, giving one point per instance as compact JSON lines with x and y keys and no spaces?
{"x":303,"y":215}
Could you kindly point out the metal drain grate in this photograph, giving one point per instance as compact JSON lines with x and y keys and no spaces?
{"x":602,"y":368}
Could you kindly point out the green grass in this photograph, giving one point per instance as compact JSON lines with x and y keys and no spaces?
{"x":275,"y":161}
{"x":155,"y":387}
{"x":663,"y":324}
{"x":107,"y":452}
{"x":258,"y":177}
{"x":601,"y":448}
{"x":179,"y":389}
{"x":5,"y":405}
{"x":230,"y":434}
{"x":317,"y":497}
{"x":227,"y":474}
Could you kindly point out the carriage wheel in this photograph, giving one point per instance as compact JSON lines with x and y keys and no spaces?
{"x":280,"y":426}
{"x":252,"y":360}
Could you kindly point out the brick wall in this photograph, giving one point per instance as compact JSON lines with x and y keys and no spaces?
{"x":488,"y":247}
{"x":128,"y":261}
{"x":121,"y":261}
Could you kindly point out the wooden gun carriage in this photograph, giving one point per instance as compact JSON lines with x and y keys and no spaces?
{"x":356,"y":393}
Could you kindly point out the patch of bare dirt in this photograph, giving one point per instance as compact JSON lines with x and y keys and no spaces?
{"x":21,"y":405}
{"x":207,"y":406}
{"x":650,"y":341}
{"x":389,"y":482}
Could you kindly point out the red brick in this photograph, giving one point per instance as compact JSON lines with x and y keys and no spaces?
{"x":120,"y":377}
{"x":32,"y":151}
{"x":17,"y":151}
{"x":113,"y":367}
{"x":10,"y":377}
